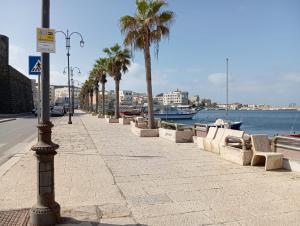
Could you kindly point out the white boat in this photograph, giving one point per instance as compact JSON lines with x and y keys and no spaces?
{"x":175,"y":114}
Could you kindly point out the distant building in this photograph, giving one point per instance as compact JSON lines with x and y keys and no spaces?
{"x":176,"y":98}
{"x":159,"y":99}
{"x":194,"y":100}
{"x":35,"y":93}
{"x":126,"y":97}
{"x":62,"y":95}
{"x":110,"y":99}
{"x":139,"y":99}
{"x":52,"y":95}
{"x":206,"y":102}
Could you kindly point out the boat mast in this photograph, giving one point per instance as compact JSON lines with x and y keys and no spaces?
{"x":227,"y":88}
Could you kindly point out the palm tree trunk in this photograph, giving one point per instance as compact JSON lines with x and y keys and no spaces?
{"x":91,"y":95}
{"x":149,"y":85}
{"x":117,"y":88}
{"x":97,"y":98}
{"x":103,"y":98}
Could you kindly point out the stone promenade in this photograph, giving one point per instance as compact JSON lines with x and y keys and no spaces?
{"x":105,"y":175}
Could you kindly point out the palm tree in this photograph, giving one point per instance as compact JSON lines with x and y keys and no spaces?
{"x":118,"y":61}
{"x":95,"y":81}
{"x":101,"y":68}
{"x":90,"y":89}
{"x":148,"y":26}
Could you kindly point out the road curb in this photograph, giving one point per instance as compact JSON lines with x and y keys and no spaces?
{"x":7,"y":119}
{"x":15,"y":158}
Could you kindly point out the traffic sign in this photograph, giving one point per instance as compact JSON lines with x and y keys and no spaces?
{"x":45,"y":39}
{"x":35,"y":65}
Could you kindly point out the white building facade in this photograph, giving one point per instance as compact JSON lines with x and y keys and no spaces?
{"x":126,"y":97}
{"x":176,"y":98}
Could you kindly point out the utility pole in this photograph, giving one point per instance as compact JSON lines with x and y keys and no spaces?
{"x":46,"y":212}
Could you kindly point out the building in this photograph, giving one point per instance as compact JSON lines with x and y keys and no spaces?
{"x":194,"y":100}
{"x":52,"y":95}
{"x":110,"y":99}
{"x":125,"y":97}
{"x":62,"y":95}
{"x":176,"y":98}
{"x":35,"y":93}
{"x":159,"y":99}
{"x":15,"y":88}
{"x":206,"y":102}
{"x":138,"y":99}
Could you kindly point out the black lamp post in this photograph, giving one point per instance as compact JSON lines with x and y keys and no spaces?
{"x":68,"y":46}
{"x":72,"y":84}
{"x":46,"y":212}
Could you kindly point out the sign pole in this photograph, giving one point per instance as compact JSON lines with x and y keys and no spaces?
{"x":46,"y":212}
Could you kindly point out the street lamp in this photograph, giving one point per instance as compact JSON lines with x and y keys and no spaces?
{"x":46,"y":211}
{"x":72,"y":82}
{"x":68,"y":46}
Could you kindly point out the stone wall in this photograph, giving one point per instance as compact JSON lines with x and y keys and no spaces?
{"x":15,"y":88}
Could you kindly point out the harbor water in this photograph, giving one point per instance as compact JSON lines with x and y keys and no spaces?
{"x":254,"y":122}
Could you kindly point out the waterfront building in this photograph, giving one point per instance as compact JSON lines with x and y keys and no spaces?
{"x":206,"y":102}
{"x":110,"y":99}
{"x":159,"y":99}
{"x":176,"y":98}
{"x":62,"y":95}
{"x":138,"y":99}
{"x":125,"y":97}
{"x":194,"y":100}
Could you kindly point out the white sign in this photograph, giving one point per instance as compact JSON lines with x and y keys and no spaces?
{"x":45,"y":40}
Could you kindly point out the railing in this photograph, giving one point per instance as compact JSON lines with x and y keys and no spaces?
{"x":276,"y":145}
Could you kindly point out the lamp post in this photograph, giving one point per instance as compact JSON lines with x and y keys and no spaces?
{"x":68,"y":46}
{"x":46,"y":212}
{"x":72,"y":83}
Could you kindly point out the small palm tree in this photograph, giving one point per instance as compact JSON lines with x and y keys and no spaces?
{"x":101,"y":68}
{"x":90,"y":88}
{"x":95,"y":81}
{"x":148,"y":26}
{"x":117,"y":63}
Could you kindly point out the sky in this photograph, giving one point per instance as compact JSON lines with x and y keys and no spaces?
{"x":261,"y":38}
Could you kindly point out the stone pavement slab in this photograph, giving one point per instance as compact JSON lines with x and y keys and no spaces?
{"x":105,"y":175}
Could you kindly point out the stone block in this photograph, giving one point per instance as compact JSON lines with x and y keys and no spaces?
{"x":112,"y":120}
{"x":143,"y":132}
{"x":236,"y":155}
{"x":185,"y":136}
{"x":125,"y":121}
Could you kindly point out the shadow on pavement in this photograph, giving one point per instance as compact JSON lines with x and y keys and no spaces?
{"x":72,"y":221}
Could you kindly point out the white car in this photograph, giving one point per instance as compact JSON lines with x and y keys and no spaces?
{"x":57,"y":111}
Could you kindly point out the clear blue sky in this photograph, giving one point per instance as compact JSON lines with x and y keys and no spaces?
{"x":260,"y":37}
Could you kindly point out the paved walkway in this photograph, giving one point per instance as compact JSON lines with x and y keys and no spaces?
{"x":106,"y":174}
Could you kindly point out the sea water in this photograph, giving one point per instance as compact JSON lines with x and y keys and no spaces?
{"x":254,"y":122}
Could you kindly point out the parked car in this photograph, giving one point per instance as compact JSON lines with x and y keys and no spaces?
{"x":57,"y":111}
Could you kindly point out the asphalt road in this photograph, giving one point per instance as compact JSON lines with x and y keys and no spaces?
{"x":17,"y":136}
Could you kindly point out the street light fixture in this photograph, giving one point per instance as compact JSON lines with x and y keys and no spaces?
{"x":72,"y":83}
{"x":68,"y":46}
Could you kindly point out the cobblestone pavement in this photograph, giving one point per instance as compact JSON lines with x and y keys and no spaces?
{"x":106,"y":174}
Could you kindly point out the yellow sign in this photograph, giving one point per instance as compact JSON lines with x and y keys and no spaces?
{"x":45,"y":35}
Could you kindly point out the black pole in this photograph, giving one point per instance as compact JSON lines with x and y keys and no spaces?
{"x":69,"y":88}
{"x":46,"y":212}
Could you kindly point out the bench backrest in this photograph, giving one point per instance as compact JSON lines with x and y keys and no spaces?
{"x":211,"y":132}
{"x":219,"y":135}
{"x":260,"y":143}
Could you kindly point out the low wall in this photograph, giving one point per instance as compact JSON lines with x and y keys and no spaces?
{"x":199,"y":141}
{"x":125,"y":121}
{"x":112,"y":120}
{"x":176,"y":136}
{"x":143,"y":132}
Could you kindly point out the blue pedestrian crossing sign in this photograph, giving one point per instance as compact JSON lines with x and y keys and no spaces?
{"x":35,"y":65}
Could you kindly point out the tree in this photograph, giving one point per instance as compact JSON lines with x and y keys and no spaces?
{"x":148,"y":26}
{"x":101,"y":70}
{"x":117,"y":63}
{"x":95,"y":82}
